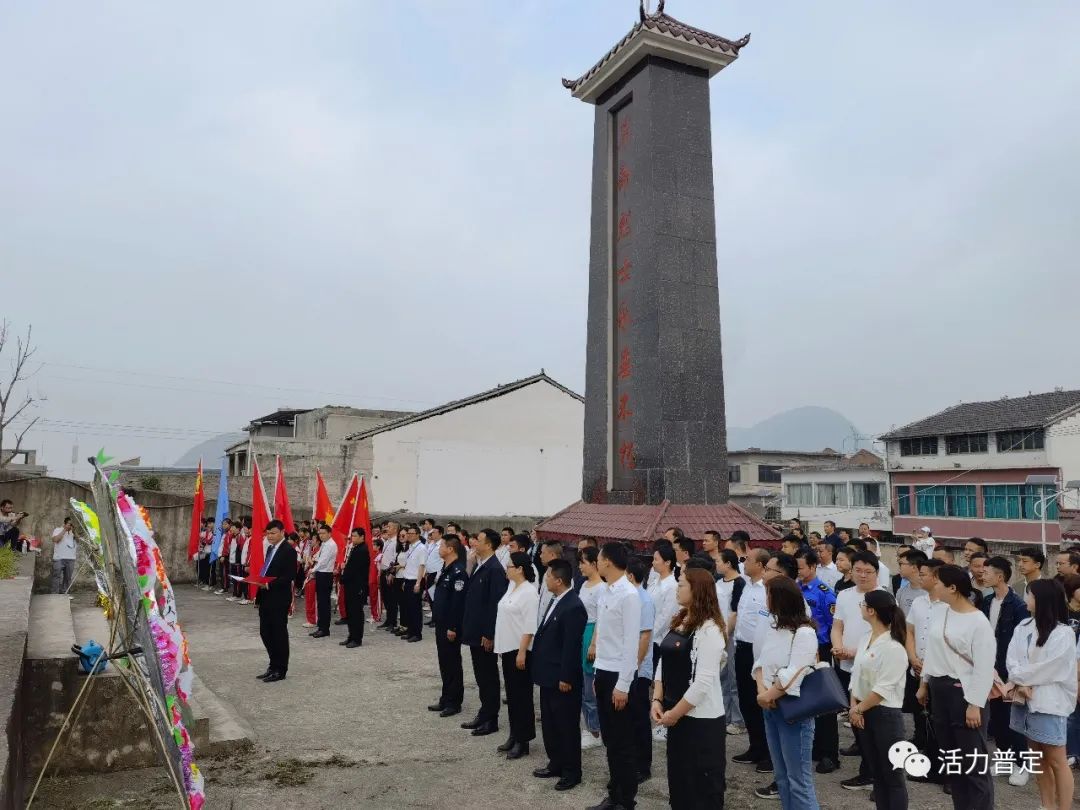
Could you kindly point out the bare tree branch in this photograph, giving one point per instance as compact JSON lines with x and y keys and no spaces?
{"x":20,"y":373}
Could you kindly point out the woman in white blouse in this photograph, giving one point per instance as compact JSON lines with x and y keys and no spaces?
{"x":958,"y":674}
{"x":688,"y":697}
{"x":515,"y":626}
{"x":787,"y":654}
{"x":1042,"y":684}
{"x":878,"y":680}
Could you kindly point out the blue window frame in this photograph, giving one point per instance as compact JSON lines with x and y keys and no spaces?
{"x":903,"y":500}
{"x":946,"y":501}
{"x":1017,"y":502}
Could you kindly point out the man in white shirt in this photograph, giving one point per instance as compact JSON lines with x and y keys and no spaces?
{"x":911,"y":581}
{"x":324,"y":580}
{"x":387,"y":586}
{"x":412,"y":575}
{"x":752,"y":611}
{"x":849,"y":631}
{"x":827,"y":571}
{"x":63,"y":565}
{"x":618,"y":632}
{"x":433,"y":564}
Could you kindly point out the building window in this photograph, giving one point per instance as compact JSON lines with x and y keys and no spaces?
{"x":832,"y":494}
{"x":1018,"y":502}
{"x":918,"y":447}
{"x":768,"y":474}
{"x":800,"y":494}
{"x":867,"y":494}
{"x":903,"y":500}
{"x":734,"y":473}
{"x":967,"y":443}
{"x":772,"y":513}
{"x":1009,"y":441}
{"x":946,"y":501}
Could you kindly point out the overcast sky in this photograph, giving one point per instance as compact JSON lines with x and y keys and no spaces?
{"x":209,"y":210}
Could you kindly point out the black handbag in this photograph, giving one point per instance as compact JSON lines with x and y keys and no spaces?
{"x":820,"y":693}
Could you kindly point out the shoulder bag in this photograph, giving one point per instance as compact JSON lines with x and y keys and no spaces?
{"x":820,"y":693}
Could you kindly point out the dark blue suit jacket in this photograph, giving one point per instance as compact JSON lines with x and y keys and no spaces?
{"x":1013,"y":611}
{"x":556,"y":653}
{"x":483,"y":591}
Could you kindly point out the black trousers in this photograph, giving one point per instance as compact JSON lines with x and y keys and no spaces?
{"x":970,"y":791}
{"x":640,"y":703}
{"x":239,"y":588}
{"x":402,"y":601}
{"x":559,"y":713}
{"x":453,"y":683}
{"x":617,"y":731}
{"x":324,"y":583}
{"x":751,"y":711}
{"x":696,"y":763}
{"x":389,"y":599}
{"x":485,"y":667}
{"x":864,"y":766}
{"x":354,"y":610}
{"x":203,"y":569}
{"x":413,"y":608}
{"x":519,"y":697}
{"x":274,"y":631}
{"x":10,"y":537}
{"x":884,"y":728}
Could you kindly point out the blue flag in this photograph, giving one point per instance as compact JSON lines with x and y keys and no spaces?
{"x":221,"y":512}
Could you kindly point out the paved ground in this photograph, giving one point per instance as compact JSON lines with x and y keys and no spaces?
{"x":350,"y":729}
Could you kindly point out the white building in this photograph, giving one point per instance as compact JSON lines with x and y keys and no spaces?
{"x":754,"y":476}
{"x":513,"y":450}
{"x":848,"y":492}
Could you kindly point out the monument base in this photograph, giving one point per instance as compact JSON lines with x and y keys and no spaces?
{"x":643,"y":524}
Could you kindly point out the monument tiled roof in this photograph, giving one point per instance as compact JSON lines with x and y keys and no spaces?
{"x":1008,"y":413}
{"x":643,"y":524}
{"x":664,"y":25}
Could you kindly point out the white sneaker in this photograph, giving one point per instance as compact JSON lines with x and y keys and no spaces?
{"x":219,"y":591}
{"x":308,"y":624}
{"x":230,"y":598}
{"x":245,"y":601}
{"x":589,"y":741}
{"x":1019,"y":777}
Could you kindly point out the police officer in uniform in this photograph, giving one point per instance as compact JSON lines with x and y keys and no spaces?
{"x":448,"y":609}
{"x":821,"y":600}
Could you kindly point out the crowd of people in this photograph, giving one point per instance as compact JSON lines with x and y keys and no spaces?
{"x":697,"y":642}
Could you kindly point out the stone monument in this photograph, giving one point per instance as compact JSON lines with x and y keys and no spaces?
{"x":655,"y":434}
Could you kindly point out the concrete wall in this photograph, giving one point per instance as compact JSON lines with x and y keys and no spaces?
{"x":46,"y":499}
{"x":1063,"y":452}
{"x":519,"y":453}
{"x":15,"y":610}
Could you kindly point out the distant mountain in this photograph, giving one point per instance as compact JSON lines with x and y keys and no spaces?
{"x":211,"y":451}
{"x":808,"y":428}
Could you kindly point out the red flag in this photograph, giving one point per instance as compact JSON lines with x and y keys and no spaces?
{"x":343,"y":522}
{"x":260,"y":516}
{"x":363,"y":519}
{"x":196,"y":516}
{"x":282,"y":510}
{"x":324,"y":511}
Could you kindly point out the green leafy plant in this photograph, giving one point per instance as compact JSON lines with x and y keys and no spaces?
{"x":7,"y":563}
{"x":151,"y":483}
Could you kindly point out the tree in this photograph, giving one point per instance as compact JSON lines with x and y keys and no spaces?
{"x":13,"y":402}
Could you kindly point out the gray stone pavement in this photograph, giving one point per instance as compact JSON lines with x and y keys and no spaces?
{"x":350,"y":729}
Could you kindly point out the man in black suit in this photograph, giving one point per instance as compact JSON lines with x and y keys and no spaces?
{"x":354,"y":585}
{"x":556,"y":669}
{"x":447,"y":611}
{"x":482,"y":594}
{"x":274,"y":599}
